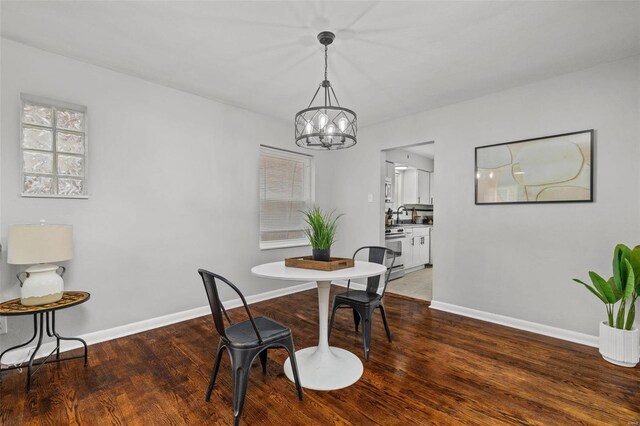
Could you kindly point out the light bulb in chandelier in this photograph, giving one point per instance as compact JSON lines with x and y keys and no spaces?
{"x":331,"y":130}
{"x":308,"y":128}
{"x":342,"y":124}
{"x":322,"y":121}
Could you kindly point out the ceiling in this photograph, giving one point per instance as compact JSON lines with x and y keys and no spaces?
{"x":390,"y":59}
{"x":423,"y":149}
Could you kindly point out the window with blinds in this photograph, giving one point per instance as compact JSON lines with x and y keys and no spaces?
{"x":286,"y":189}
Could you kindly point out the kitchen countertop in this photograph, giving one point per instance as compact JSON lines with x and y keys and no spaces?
{"x":410,"y":225}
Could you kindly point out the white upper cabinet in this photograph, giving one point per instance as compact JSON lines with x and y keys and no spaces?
{"x":410,"y":186}
{"x":417,"y":187}
{"x":424,"y":187}
{"x":391,"y":170}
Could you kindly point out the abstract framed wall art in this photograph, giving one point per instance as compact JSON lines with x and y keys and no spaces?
{"x":551,"y":169}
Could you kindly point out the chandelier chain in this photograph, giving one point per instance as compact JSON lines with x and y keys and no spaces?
{"x":326,"y":49}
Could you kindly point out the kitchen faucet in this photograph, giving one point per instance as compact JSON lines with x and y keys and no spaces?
{"x":398,"y":213}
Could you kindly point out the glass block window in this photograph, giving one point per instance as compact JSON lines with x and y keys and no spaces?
{"x":53,"y":148}
{"x":286,"y":189}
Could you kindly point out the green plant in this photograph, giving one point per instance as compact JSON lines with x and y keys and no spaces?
{"x":622,"y":287}
{"x":322,"y":227}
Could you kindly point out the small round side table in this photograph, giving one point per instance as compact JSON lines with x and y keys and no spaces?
{"x":41,"y":314}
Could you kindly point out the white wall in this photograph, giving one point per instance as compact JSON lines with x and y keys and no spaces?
{"x":174,"y":187}
{"x":173,"y":183}
{"x":514,"y":260}
{"x":407,"y":158}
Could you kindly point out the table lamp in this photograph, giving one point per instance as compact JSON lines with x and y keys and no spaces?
{"x":39,"y":245}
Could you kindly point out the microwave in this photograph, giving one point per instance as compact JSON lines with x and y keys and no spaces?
{"x":387,"y":191}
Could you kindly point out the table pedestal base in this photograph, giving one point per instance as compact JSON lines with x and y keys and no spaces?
{"x":325,"y":369}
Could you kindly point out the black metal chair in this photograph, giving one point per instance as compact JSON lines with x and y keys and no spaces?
{"x":365,"y":302}
{"x":244,"y":341}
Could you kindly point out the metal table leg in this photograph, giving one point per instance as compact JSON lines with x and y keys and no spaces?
{"x":39,"y":330}
{"x":35,"y":351}
{"x":58,"y":338}
{"x":50,"y":334}
{"x":35,"y":333}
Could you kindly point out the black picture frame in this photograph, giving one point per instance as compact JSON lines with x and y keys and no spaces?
{"x":590,"y":165}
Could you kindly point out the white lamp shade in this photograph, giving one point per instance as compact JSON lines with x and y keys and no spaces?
{"x":30,"y":244}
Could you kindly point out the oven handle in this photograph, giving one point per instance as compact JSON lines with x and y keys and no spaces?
{"x":395,"y":237}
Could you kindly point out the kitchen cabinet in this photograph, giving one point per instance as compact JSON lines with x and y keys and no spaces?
{"x":410,"y":186}
{"x":424,"y":187}
{"x":416,"y":187}
{"x":390,"y":170}
{"x":417,"y":251}
{"x":421,"y":254}
{"x":431,"y":187}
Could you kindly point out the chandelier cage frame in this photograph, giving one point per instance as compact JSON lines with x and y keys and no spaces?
{"x":326,"y":126}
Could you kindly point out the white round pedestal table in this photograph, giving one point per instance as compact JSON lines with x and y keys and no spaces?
{"x":322,"y":367}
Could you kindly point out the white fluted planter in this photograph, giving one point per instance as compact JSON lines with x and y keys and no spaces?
{"x":620,"y":347}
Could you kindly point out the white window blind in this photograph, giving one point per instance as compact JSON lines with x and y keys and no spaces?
{"x":286,"y":189}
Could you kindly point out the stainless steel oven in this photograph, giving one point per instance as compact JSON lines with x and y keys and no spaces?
{"x":395,"y":238}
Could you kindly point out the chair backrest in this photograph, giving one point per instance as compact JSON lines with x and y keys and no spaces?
{"x":378,"y":254}
{"x":217,"y":309}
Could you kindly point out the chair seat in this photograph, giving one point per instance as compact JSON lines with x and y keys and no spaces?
{"x":242,"y":335}
{"x":358,"y":296}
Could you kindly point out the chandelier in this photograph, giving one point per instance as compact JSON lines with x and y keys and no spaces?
{"x":327,"y":125}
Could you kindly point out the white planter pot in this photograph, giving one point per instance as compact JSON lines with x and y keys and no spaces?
{"x":620,"y":347}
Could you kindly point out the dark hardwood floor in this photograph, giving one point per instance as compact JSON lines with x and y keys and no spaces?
{"x":440,"y":369}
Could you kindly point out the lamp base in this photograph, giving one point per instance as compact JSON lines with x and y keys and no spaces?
{"x":36,"y":301}
{"x":43,"y":285}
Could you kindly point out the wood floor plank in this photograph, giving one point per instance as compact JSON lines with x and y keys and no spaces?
{"x":440,"y":369}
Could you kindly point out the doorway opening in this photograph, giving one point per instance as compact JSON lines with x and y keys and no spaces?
{"x":408,"y":205}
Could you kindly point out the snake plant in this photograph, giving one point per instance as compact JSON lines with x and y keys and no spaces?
{"x":623,"y":286}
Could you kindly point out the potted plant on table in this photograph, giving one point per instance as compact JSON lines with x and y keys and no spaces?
{"x":619,"y":338}
{"x":321,"y":231}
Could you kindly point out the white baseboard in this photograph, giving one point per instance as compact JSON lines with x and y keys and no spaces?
{"x":356,"y":286}
{"x":415,"y":268}
{"x":546,"y":330}
{"x":20,"y":355}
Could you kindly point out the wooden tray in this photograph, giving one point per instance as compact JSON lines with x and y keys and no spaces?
{"x":307,"y":262}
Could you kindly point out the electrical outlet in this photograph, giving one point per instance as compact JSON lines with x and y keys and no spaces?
{"x":3,"y":325}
